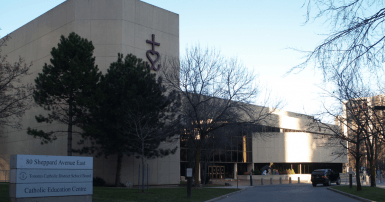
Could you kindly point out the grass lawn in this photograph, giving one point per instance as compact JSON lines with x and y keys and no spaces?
{"x":4,"y":192}
{"x":108,"y":194}
{"x":372,"y":193}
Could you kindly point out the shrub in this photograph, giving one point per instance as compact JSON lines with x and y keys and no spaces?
{"x":257,"y":172}
{"x":207,"y":179}
{"x":290,"y":171}
{"x":99,"y":182}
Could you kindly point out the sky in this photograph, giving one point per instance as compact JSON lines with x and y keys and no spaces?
{"x":261,"y":34}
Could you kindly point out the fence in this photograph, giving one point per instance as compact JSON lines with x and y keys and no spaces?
{"x":4,"y":175}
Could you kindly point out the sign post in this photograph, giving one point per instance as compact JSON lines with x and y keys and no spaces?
{"x":51,"y":178}
{"x":189,"y":181}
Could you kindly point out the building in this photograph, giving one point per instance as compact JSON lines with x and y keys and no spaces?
{"x":113,"y":26}
{"x":132,"y":26}
{"x":287,"y":141}
{"x":365,"y":115}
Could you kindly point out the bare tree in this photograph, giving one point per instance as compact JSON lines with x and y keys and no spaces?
{"x":356,"y":38}
{"x":147,"y":129}
{"x":15,"y":96}
{"x":216,"y":92}
{"x":360,"y":131}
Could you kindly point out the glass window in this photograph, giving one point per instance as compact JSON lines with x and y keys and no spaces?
{"x":222,"y":156}
{"x":249,"y":157}
{"x":216,"y":156}
{"x":228,"y":156}
{"x":183,"y":154}
{"x":234,"y":156}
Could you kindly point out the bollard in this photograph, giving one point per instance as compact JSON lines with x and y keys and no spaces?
{"x":251,"y":179}
{"x":299,"y":180}
{"x":280,"y":180}
{"x":189,"y":184}
{"x":289,"y":180}
{"x":237,"y":180}
{"x":350,"y":180}
{"x":271,"y":180}
{"x":261,"y":181}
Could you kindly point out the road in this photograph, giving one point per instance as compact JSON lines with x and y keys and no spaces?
{"x":288,"y":193}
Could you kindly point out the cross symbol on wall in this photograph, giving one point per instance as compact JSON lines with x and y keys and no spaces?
{"x":154,"y":53}
{"x":153,"y":42}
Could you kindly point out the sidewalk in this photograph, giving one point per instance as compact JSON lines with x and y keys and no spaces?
{"x":242,"y":184}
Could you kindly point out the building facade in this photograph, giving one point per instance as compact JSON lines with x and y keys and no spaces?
{"x":287,"y":141}
{"x":132,"y":26}
{"x":364,"y":119}
{"x":113,"y":26}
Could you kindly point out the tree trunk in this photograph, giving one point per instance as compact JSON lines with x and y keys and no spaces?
{"x":142,"y":166}
{"x":372,"y":172}
{"x":118,"y":169}
{"x":69,"y":143}
{"x":204,"y":174}
{"x":358,"y":164}
{"x":358,"y":174}
{"x":197,"y":160}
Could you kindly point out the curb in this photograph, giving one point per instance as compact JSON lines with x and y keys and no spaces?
{"x":226,"y":195}
{"x":350,"y":195}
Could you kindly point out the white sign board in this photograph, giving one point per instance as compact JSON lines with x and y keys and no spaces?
{"x":53,"y":189}
{"x":189,"y":172}
{"x":46,"y":176}
{"x":51,"y":162}
{"x":41,"y":176}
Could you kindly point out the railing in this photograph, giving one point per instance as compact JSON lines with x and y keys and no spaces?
{"x":4,"y":175}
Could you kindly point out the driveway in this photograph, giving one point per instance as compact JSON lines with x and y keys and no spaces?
{"x":289,"y":193}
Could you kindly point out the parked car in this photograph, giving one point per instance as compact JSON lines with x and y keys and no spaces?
{"x":325,"y":177}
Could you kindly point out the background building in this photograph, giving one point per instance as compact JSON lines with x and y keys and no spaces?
{"x":367,"y":113}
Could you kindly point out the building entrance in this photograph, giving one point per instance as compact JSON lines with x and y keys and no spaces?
{"x":216,"y":172}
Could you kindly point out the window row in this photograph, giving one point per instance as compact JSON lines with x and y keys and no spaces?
{"x":219,"y":156}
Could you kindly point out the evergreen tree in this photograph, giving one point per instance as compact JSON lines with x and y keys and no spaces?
{"x":133,"y":116}
{"x":65,"y":86}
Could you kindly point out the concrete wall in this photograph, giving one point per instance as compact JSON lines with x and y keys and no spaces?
{"x":291,"y":147}
{"x":113,"y":26}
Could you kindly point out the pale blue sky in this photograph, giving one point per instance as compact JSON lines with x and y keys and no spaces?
{"x":257,"y":32}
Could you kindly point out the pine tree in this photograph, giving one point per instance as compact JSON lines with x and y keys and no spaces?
{"x":133,"y":116}
{"x":65,"y":86}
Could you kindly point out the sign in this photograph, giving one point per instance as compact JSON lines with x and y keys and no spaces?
{"x":51,"y":162}
{"x":53,"y":189}
{"x":189,"y":172}
{"x":153,"y":52}
{"x":49,"y":176}
{"x":45,"y":176}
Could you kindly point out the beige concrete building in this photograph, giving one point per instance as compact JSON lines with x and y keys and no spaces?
{"x":286,"y":140}
{"x":124,"y":26}
{"x":113,"y":26}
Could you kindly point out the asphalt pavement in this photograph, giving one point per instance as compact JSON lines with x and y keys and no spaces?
{"x":288,"y":193}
